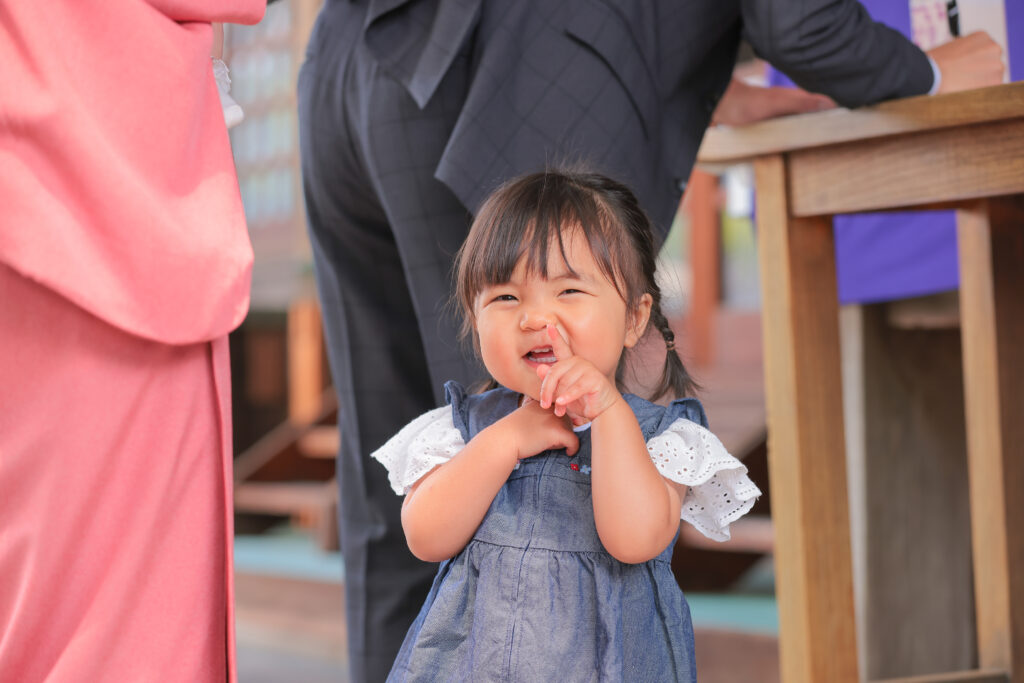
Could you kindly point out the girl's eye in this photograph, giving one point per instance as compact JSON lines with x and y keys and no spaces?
{"x":504,"y":297}
{"x":572,"y":291}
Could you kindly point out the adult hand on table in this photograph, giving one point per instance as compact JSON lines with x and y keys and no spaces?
{"x":743,"y":103}
{"x":974,"y":61}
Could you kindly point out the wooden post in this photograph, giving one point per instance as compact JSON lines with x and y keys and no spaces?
{"x":705,"y":249}
{"x":806,"y":452}
{"x":305,"y":362}
{"x":991,"y":240}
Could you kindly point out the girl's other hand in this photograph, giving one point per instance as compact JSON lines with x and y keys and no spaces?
{"x":573,"y":386}
{"x":535,"y":430}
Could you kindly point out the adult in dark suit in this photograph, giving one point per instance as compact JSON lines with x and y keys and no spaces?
{"x":412,"y":111}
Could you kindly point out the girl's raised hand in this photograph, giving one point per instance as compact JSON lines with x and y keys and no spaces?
{"x":573,"y":386}
{"x":534,"y":430}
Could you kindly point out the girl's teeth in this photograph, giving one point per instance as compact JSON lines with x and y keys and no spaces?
{"x":542,"y":355}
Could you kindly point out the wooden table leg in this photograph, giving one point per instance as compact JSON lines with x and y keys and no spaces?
{"x":705,"y":253}
{"x":806,"y":452}
{"x":991,"y":240}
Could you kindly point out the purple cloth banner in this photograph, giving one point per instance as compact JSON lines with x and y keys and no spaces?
{"x":880,"y":257}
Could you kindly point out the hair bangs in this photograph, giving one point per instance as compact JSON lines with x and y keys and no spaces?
{"x":517,"y":225}
{"x":523,"y":220}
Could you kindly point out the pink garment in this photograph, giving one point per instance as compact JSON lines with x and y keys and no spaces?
{"x":117,"y":186}
{"x":115,"y":457}
{"x":124,"y":262}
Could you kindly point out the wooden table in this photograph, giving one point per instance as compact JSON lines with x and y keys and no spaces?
{"x":963,"y":151}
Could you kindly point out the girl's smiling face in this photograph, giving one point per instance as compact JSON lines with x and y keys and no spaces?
{"x":576,"y":298}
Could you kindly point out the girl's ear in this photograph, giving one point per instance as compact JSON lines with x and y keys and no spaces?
{"x":636,"y":322}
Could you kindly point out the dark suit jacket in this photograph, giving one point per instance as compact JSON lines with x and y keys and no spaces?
{"x":625,"y":85}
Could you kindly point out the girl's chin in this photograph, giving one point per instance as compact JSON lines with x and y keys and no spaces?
{"x":520,"y":380}
{"x":528,"y":392}
{"x":531,"y":395}
{"x":528,"y":389}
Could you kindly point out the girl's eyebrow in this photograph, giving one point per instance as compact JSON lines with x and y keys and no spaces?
{"x":570,"y":275}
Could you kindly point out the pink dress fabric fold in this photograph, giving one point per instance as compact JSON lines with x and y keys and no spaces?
{"x":117,"y":184}
{"x":115,"y":457}
{"x":124,"y":262}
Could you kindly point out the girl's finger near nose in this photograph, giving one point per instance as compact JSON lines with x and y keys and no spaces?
{"x":569,"y":387}
{"x":575,"y":391}
{"x":543,"y":371}
{"x":558,"y":344}
{"x":549,"y":384}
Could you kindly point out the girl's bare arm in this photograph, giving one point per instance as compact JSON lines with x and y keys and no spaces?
{"x":444,"y":508}
{"x":636,"y":509}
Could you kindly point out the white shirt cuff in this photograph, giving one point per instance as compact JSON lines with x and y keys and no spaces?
{"x":937,"y":74}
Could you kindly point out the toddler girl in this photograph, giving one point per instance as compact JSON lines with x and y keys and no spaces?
{"x":554,"y":499}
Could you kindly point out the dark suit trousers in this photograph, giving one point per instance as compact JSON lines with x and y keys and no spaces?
{"x":384,"y":232}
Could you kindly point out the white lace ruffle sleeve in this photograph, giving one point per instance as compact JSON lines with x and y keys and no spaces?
{"x":423,"y":444}
{"x":719,"y":493}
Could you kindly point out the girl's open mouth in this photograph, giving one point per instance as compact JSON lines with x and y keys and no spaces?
{"x":541,"y":354}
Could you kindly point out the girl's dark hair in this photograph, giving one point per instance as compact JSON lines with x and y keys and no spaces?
{"x":522,"y":217}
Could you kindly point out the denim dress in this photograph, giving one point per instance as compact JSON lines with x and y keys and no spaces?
{"x":534,"y":596}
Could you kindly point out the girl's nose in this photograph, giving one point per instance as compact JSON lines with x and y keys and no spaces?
{"x":535,"y":319}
